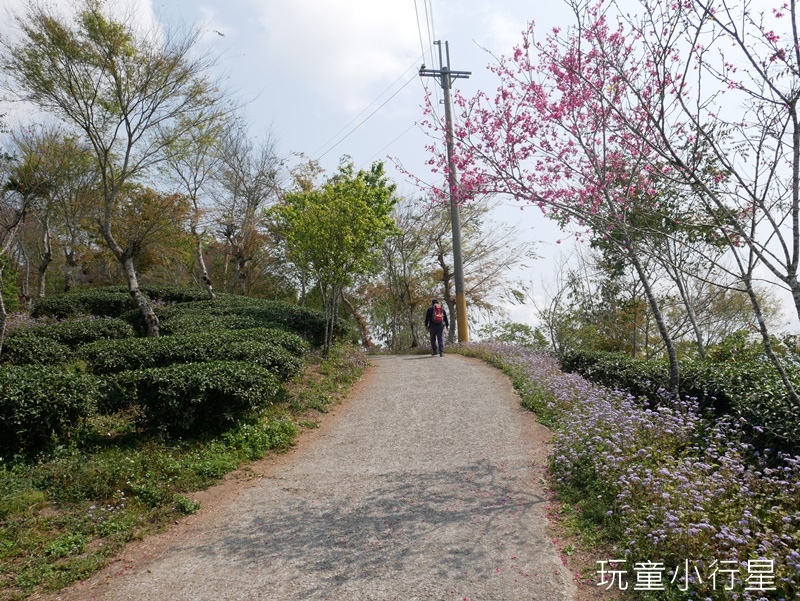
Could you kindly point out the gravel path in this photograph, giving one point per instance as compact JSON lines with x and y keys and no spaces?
{"x":426,"y":485}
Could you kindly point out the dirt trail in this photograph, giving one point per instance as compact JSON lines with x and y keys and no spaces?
{"x":425,"y":485}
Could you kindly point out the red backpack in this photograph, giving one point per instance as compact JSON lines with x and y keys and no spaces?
{"x":437,"y":313}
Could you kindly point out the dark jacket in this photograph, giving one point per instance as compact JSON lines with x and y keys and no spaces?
{"x":429,"y":318}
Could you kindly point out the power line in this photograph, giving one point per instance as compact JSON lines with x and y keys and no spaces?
{"x":419,"y":30}
{"x":349,"y":123}
{"x":431,"y":35}
{"x":372,"y":158}
{"x":367,"y":118}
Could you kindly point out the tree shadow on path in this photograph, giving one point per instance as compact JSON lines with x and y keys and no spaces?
{"x":447,"y":525}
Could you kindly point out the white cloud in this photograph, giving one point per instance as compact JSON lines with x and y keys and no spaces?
{"x":347,"y":50}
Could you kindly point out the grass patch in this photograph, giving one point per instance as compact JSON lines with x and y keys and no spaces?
{"x":62,"y":516}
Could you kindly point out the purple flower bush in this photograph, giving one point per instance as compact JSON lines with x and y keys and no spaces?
{"x":678,"y":491}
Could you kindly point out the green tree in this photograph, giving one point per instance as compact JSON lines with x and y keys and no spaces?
{"x":132,"y":93}
{"x":192,"y":163}
{"x":335,"y":231}
{"x":55,"y":170}
{"x":512,"y":332}
{"x":246,"y":183}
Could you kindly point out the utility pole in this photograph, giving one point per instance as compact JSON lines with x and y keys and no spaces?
{"x":446,"y":77}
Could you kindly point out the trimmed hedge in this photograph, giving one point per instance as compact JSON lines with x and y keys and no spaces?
{"x":276,"y":350}
{"x":199,"y":397}
{"x":750,"y":389}
{"x":230,"y":311}
{"x":173,"y":294}
{"x":237,"y":311}
{"x":616,"y":370}
{"x":104,"y":302}
{"x":197,"y":321}
{"x":39,"y":404}
{"x":23,"y":348}
{"x":82,"y":331}
{"x":111,"y":301}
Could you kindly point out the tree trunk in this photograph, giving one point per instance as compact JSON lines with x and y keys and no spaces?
{"x":46,"y":259}
{"x":303,"y":287}
{"x":362,"y":322}
{"x":3,"y":314}
{"x":201,"y":263}
{"x":25,"y":293}
{"x":69,"y":271}
{"x":687,"y":302}
{"x":327,"y":307}
{"x":794,"y":286}
{"x":762,"y":328}
{"x":238,"y":276}
{"x":413,"y":326}
{"x":408,"y":305}
{"x":451,"y":323}
{"x":150,"y":319}
{"x":126,"y":261}
{"x":674,"y":370}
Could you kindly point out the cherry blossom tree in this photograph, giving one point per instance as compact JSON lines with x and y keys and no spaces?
{"x":606,"y":123}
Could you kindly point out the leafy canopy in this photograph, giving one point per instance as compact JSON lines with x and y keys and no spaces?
{"x":336,"y":230}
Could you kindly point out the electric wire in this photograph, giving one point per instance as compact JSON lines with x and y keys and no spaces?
{"x":428,"y":11}
{"x":433,"y":27}
{"x":367,"y":118}
{"x":428,"y":4}
{"x":364,"y":110}
{"x":374,"y":156}
{"x":419,"y":30}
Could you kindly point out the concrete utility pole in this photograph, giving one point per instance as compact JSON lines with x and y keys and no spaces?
{"x":446,"y":77}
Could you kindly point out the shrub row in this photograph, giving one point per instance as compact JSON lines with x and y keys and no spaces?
{"x":53,"y":344}
{"x":94,"y":301}
{"x":40,"y":403}
{"x":110,"y":301}
{"x":271,"y":349}
{"x":26,"y":349}
{"x":199,"y":397}
{"x":81,"y":331}
{"x":242,"y":312}
{"x":749,"y":389}
{"x":189,"y":310}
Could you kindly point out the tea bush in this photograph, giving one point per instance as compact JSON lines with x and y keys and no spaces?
{"x":249,"y":312}
{"x":749,"y":388}
{"x":81,"y":331}
{"x":197,"y":398}
{"x":104,"y":302}
{"x":198,"y":321}
{"x":173,"y":294}
{"x":40,"y":404}
{"x":109,"y":301}
{"x":24,"y":348}
{"x":264,"y":347}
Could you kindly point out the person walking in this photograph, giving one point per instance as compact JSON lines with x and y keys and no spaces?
{"x":435,"y":323}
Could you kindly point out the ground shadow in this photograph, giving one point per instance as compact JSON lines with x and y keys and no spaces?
{"x":450,"y":521}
